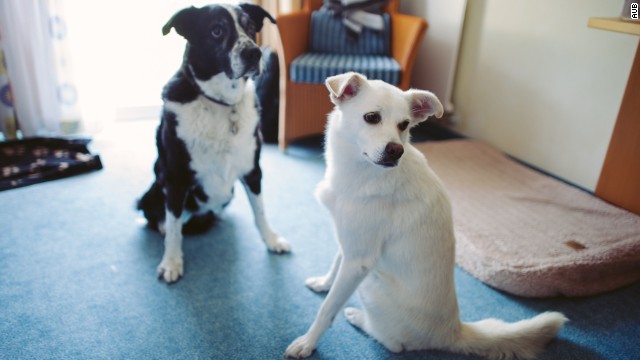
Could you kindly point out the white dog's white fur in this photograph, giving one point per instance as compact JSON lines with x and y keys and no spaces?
{"x":394,"y":227}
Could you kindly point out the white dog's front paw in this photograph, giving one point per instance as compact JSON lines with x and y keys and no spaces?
{"x":277,"y":244}
{"x":171,"y":268}
{"x":318,"y":283}
{"x":300,"y":348}
{"x":354,"y":316}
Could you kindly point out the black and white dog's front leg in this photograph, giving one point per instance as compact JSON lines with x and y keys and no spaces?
{"x":253,"y":188}
{"x":171,"y":267}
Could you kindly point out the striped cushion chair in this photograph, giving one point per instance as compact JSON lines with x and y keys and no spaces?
{"x":315,"y":45}
{"x":333,"y":52}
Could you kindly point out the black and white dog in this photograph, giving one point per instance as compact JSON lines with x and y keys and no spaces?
{"x":209,"y":134}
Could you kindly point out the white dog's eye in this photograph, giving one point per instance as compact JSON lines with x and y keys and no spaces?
{"x":403,"y":125}
{"x":216,"y":31}
{"x":372,"y":117}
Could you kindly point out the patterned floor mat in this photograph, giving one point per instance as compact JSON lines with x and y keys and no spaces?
{"x":35,"y":160}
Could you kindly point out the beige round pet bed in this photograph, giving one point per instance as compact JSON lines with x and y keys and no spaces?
{"x":529,"y":234}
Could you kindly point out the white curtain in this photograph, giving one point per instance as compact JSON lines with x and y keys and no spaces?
{"x":44,"y":96}
{"x":7,"y":113}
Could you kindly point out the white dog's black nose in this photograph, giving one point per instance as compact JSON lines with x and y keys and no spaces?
{"x":391,"y":155}
{"x":393,"y":151}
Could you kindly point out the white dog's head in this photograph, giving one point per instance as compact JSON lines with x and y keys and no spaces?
{"x":378,"y":116}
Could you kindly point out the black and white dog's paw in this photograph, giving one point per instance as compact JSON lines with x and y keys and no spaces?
{"x":277,"y":244}
{"x":171,"y":268}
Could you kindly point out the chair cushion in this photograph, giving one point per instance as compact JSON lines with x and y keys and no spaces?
{"x":329,"y":35}
{"x":316,"y":67}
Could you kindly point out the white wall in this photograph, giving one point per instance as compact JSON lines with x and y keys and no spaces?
{"x":435,"y":64}
{"x":536,"y":82}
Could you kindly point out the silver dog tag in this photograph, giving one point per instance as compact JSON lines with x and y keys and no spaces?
{"x":234,"y":120}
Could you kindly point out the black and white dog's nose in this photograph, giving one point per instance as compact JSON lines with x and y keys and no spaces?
{"x":251,"y":56}
{"x":393,"y":151}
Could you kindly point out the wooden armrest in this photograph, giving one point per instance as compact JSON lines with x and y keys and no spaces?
{"x":407,"y":32}
{"x":294,"y":35}
{"x":310,"y":5}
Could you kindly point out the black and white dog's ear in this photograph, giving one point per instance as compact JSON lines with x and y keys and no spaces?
{"x":423,"y":104}
{"x":257,"y":14}
{"x":182,"y":21}
{"x":344,"y":86}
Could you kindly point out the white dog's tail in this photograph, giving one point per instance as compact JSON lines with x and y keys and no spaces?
{"x":496,"y":339}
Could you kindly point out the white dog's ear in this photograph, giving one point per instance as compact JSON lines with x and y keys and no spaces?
{"x":423,"y":104}
{"x":344,"y":86}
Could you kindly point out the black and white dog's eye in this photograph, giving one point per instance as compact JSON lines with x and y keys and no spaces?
{"x":217,"y":31}
{"x":403,"y":125}
{"x":372,"y":117}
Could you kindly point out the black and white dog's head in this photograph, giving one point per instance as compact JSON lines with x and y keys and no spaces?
{"x":221,"y":39}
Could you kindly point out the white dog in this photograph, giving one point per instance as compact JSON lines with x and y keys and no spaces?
{"x":393,"y":223}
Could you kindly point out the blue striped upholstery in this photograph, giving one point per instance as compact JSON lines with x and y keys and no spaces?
{"x":328,"y":35}
{"x":316,"y":67}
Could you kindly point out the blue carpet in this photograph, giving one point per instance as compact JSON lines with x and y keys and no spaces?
{"x":78,"y":274}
